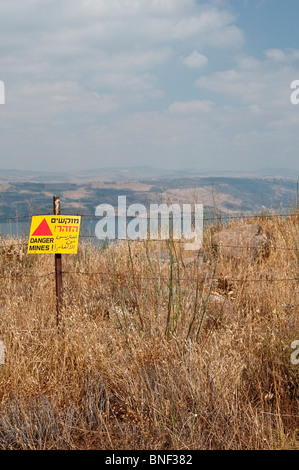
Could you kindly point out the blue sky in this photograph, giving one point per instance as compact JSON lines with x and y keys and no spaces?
{"x":168,"y":83}
{"x":267,"y":24}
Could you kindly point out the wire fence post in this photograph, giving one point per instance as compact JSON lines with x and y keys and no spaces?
{"x":58,"y":269}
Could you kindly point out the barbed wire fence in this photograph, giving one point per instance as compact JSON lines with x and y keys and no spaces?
{"x":22,"y":242}
{"x":11,"y":242}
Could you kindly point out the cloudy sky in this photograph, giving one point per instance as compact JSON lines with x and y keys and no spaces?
{"x":167,"y":83}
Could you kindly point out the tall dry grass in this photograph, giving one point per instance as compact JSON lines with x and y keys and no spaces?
{"x":153,"y":352}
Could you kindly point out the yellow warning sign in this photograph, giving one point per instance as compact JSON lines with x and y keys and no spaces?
{"x":54,"y":234}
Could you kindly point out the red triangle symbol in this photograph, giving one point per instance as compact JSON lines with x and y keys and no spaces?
{"x":42,"y":230}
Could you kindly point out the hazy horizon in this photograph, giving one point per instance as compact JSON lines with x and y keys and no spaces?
{"x":268,"y":172}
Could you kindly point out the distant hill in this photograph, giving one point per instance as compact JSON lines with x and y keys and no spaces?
{"x":27,"y":193}
{"x":134,"y":173}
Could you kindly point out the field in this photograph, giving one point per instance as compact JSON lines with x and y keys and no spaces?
{"x":155,"y":348}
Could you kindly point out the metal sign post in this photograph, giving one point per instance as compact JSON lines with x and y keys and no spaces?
{"x":55,"y":234}
{"x":58,"y":269}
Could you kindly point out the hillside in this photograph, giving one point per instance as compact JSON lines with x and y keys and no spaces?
{"x":230,"y":195}
{"x":156,"y":348}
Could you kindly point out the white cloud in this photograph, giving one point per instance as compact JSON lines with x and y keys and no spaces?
{"x":290,"y":56}
{"x":54,"y":104}
{"x":252,"y":81}
{"x":191,"y":107}
{"x":117,"y":47}
{"x":276,"y":54}
{"x":195,"y":60}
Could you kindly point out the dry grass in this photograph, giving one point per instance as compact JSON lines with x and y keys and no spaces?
{"x":152,"y":353}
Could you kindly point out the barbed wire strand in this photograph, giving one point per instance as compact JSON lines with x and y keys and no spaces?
{"x":223,"y":216}
{"x":10,"y":243}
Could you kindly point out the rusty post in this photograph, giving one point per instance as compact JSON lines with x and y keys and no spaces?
{"x":58,"y":269}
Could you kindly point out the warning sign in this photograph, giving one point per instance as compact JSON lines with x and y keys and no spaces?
{"x":54,"y":234}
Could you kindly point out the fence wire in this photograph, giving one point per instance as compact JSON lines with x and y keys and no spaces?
{"x":222,"y":217}
{"x":9,"y":244}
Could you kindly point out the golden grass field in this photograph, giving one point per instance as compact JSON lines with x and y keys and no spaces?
{"x":151,"y":353}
